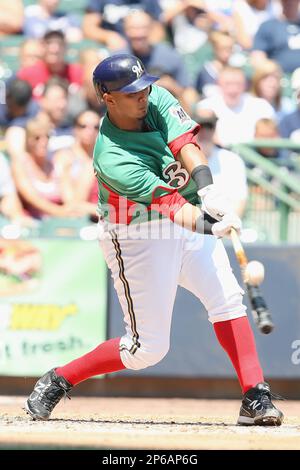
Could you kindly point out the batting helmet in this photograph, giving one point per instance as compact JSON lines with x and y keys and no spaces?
{"x":121,"y":72}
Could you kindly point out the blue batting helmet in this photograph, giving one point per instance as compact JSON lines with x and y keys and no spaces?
{"x":121,"y":72}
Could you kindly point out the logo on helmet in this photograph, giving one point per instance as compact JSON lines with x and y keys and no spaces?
{"x":137,"y":69}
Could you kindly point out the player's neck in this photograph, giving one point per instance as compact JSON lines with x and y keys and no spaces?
{"x":127,"y":124}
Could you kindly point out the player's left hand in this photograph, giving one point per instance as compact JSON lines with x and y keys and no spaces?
{"x":229,"y":221}
{"x":214,"y":202}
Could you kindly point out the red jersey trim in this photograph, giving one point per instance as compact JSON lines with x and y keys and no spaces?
{"x":169,"y":204}
{"x":166,"y":205}
{"x":189,"y":137}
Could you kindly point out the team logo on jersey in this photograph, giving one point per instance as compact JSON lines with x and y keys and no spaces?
{"x":176,"y":176}
{"x":179,"y":113}
{"x":137,"y":69}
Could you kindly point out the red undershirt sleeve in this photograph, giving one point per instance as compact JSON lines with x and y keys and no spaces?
{"x":189,"y":137}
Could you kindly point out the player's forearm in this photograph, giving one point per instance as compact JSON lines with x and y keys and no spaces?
{"x":190,"y":156}
{"x":192,"y":218}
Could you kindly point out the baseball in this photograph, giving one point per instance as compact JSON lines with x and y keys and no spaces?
{"x":254,"y":273}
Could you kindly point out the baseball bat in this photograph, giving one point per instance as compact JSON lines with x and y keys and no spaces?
{"x":260,"y":312}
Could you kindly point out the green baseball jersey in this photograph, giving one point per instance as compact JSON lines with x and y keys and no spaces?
{"x":135,"y":169}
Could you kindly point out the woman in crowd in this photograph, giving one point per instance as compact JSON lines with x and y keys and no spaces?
{"x":74,"y":165}
{"x":266,"y":83}
{"x":36,"y":178}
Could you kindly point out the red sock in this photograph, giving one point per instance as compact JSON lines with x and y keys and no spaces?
{"x":103,"y":359}
{"x":237,"y":338}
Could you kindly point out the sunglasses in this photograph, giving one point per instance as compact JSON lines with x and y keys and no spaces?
{"x":208,"y":125}
{"x":85,"y":126}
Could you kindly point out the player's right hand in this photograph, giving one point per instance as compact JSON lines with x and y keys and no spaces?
{"x":223,"y":228}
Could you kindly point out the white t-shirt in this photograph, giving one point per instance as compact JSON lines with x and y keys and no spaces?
{"x":229,"y":174}
{"x":237,"y":124}
{"x":253,"y":18}
{"x":6,"y":182}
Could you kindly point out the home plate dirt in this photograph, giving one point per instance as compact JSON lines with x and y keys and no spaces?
{"x":143,"y":423}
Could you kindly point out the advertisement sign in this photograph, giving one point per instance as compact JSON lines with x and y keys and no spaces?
{"x":52,"y":303}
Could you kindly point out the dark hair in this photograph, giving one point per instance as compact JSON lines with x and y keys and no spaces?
{"x":18,"y":92}
{"x":56,"y":81}
{"x":54,"y":33}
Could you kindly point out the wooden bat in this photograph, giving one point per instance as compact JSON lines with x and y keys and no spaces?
{"x":261,"y":315}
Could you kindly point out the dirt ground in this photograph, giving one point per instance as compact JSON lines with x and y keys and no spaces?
{"x":143,"y":423}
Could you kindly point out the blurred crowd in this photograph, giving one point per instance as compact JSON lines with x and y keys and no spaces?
{"x":233,"y":64}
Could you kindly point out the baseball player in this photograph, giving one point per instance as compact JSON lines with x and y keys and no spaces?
{"x":154,"y":236}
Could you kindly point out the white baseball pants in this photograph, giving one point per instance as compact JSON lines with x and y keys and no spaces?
{"x":147,"y":270}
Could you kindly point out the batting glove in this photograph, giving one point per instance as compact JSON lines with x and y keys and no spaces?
{"x":214,"y":202}
{"x":229,"y":221}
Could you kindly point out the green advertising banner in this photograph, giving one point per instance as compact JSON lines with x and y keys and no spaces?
{"x":53,"y":299}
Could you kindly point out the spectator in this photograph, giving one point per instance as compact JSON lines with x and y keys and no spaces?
{"x":44,"y":16}
{"x":19,"y":105}
{"x":31,"y":52}
{"x":10,"y":204}
{"x":86,"y":97}
{"x":222,"y":44}
{"x":54,"y":106}
{"x":237,"y":110}
{"x":54,"y":64}
{"x":290,"y":124}
{"x":189,"y":24}
{"x":75,"y":164}
{"x":248,"y":16}
{"x":279,"y":38}
{"x":103,"y":20}
{"x":266,"y":83}
{"x":267,"y":129}
{"x":11,"y":17}
{"x":35,"y":177}
{"x":228,"y":169}
{"x":19,"y":108}
{"x":160,"y":59}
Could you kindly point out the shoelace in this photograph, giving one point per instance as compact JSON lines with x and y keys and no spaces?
{"x":51,"y":395}
{"x":267,"y":396}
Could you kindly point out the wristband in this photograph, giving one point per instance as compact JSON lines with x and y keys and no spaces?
{"x":202,"y":176}
{"x":204,"y":224}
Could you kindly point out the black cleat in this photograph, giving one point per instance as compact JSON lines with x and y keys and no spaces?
{"x":47,"y":392}
{"x":257,"y":408}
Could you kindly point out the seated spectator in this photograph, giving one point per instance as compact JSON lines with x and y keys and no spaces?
{"x":228,"y":169}
{"x":222,"y":44}
{"x":53,"y":64}
{"x":189,"y":24}
{"x":35,"y":177}
{"x":54,"y":106}
{"x":10,"y":204}
{"x":11,"y":17}
{"x":237,"y":110}
{"x":45,"y":16}
{"x":289,"y":126}
{"x":19,"y":107}
{"x":31,"y":52}
{"x":266,"y":83}
{"x":75,"y":164}
{"x":160,"y":59}
{"x":86,"y":97}
{"x":248,"y":16}
{"x":268,"y":129}
{"x":279,"y":38}
{"x":103,"y":20}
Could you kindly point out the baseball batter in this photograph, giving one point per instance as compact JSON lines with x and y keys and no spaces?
{"x":154,"y":236}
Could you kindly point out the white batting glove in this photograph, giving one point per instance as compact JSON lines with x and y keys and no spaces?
{"x":214,"y":202}
{"x":223,"y":228}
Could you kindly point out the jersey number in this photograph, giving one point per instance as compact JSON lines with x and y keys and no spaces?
{"x":176,"y":176}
